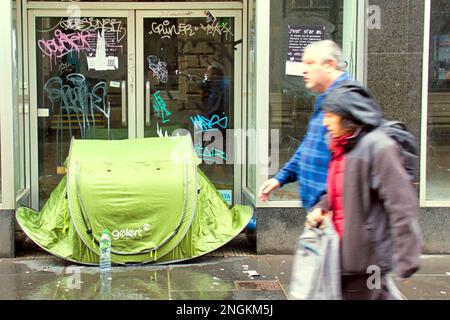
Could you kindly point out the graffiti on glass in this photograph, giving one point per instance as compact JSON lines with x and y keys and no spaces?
{"x":160,"y":107}
{"x":62,"y":43}
{"x":92,"y":24}
{"x":205,"y":153}
{"x":159,"y":68}
{"x":167,"y":30}
{"x":73,"y":99}
{"x":203,"y":123}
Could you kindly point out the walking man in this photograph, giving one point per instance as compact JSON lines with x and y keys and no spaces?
{"x":324,"y":67}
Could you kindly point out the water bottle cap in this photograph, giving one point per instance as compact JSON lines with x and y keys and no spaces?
{"x":105,"y":231}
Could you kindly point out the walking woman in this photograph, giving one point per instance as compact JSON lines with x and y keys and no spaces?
{"x":373,"y":203}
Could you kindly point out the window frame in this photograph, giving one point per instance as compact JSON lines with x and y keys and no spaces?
{"x":7,"y":91}
{"x":424,"y":119}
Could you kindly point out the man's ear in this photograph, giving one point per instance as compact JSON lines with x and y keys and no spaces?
{"x":331,"y":65}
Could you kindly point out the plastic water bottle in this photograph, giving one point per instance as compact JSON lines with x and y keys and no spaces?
{"x":105,"y":252}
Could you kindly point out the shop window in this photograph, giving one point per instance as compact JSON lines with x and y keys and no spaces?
{"x":438,"y":117}
{"x":291,"y":104}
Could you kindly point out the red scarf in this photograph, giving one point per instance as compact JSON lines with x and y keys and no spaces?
{"x":336,"y":181}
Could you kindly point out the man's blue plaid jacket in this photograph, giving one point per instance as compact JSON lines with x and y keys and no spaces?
{"x":309,"y":165}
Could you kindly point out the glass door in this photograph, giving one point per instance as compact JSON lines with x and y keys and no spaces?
{"x":189,"y":82}
{"x":82,"y":71}
{"x":188,"y":74}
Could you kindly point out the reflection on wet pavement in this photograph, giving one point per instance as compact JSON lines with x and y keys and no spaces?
{"x":209,"y":278}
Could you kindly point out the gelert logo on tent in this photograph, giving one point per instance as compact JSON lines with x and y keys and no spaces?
{"x":130,"y":233}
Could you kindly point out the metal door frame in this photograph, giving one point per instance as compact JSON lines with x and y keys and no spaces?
{"x":238,"y":83}
{"x":37,"y":13}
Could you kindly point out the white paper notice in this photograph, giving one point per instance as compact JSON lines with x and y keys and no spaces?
{"x":299,"y":38}
{"x":99,"y":61}
{"x":294,"y":68}
{"x":114,"y":84}
{"x":43,"y":113}
{"x":102,"y":64}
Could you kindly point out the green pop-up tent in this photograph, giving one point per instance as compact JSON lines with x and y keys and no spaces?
{"x":158,"y":206}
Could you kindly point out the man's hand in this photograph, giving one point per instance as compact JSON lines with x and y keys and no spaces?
{"x":266,"y":188}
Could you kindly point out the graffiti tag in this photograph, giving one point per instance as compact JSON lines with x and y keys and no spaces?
{"x":204,"y":124}
{"x":167,"y":30}
{"x":63,"y":44}
{"x":92,"y":24}
{"x":159,"y":68}
{"x":76,"y":98}
{"x":209,"y":154}
{"x":161,"y":108}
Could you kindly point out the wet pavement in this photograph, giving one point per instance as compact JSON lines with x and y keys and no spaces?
{"x":207,"y":278}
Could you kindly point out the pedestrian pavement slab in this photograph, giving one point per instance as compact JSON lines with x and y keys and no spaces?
{"x":219,"y":274}
{"x":426,"y":288}
{"x":434,"y":264}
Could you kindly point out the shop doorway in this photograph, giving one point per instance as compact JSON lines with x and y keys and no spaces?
{"x":125,"y":74}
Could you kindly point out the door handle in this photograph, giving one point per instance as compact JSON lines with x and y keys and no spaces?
{"x":124,"y":103}
{"x":147,"y":103}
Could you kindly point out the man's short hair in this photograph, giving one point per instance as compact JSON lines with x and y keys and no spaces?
{"x":329,"y":50}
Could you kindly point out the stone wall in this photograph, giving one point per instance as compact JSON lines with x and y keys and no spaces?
{"x":7,"y":234}
{"x":395,"y":52}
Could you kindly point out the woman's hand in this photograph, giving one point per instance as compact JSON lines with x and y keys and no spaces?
{"x":314,"y":218}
